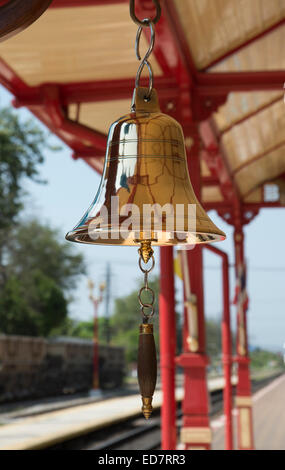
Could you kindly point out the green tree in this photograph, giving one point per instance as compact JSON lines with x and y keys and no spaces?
{"x":37,"y":271}
{"x":261,"y":359}
{"x":41,"y":271}
{"x":81,"y":329}
{"x":33,"y":246}
{"x":126,"y":318}
{"x":21,"y":151}
{"x":15,"y":315}
{"x":84,"y":329}
{"x":214,"y":338}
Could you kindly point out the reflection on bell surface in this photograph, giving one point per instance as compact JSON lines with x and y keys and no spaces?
{"x":145,"y":171}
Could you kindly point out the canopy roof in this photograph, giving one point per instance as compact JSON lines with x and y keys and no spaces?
{"x":218,"y":63}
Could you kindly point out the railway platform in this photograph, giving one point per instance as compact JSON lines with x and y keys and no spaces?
{"x":269,"y":421}
{"x":51,"y":428}
{"x":55,"y":427}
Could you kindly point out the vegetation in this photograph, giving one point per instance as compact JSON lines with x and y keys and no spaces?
{"x":214,"y":338}
{"x":261,"y":359}
{"x":21,"y":152}
{"x":124,"y":326}
{"x":36,"y":270}
{"x":126,"y":319}
{"x":124,"y":332}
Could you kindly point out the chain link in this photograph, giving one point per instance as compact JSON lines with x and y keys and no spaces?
{"x":145,"y":23}
{"x":144,"y":62}
{"x":146,"y":288}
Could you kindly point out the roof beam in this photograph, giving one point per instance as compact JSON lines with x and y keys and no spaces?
{"x":208,"y":86}
{"x":246,"y":207}
{"x":10,"y":80}
{"x":214,"y":155}
{"x":227,"y":82}
{"x":210,"y":181}
{"x":78,"y":137}
{"x":87,"y":92}
{"x":84,"y":3}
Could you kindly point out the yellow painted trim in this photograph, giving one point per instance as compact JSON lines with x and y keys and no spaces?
{"x":196,"y":435}
{"x":244,"y":401}
{"x":245,"y":434}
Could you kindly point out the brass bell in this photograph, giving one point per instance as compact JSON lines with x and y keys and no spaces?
{"x":145,"y":167}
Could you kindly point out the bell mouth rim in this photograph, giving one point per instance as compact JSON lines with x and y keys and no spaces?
{"x":77,"y":236}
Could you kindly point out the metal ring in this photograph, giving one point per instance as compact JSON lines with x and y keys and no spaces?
{"x":146,"y":270}
{"x":146,"y":280}
{"x":147,"y":315}
{"x":141,"y":23}
{"x":147,"y":289}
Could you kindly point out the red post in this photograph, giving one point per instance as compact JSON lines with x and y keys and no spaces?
{"x":243,"y":393}
{"x":227,"y":356}
{"x":226,"y":347}
{"x":195,"y":433}
{"x":167,"y":324}
{"x":96,"y":302}
{"x":96,"y":348}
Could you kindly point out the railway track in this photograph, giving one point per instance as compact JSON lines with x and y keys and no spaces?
{"x":132,"y":434}
{"x":137,"y":433}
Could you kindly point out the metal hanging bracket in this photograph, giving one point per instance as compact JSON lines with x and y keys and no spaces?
{"x":142,"y":23}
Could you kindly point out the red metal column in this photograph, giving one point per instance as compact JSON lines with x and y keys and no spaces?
{"x":96,"y":348}
{"x":243,"y":394}
{"x":167,"y":326}
{"x":226,"y":347}
{"x":227,"y":356}
{"x":195,"y":433}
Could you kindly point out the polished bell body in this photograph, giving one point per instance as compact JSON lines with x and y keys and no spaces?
{"x":145,"y":165}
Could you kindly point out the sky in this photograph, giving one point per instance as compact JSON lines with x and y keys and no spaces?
{"x":72,"y":185}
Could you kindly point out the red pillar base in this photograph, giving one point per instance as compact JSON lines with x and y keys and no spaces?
{"x":244,"y":405}
{"x":196,"y":432}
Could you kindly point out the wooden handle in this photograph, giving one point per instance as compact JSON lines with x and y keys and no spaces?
{"x":147,"y":367}
{"x":17,"y":15}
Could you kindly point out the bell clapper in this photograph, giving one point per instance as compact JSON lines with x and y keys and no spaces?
{"x":147,"y":365}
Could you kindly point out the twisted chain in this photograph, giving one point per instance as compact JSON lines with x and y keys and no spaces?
{"x":144,"y":61}
{"x":145,"y":23}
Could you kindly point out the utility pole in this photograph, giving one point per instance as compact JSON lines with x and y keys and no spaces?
{"x":96,"y":300}
{"x":107,"y":303}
